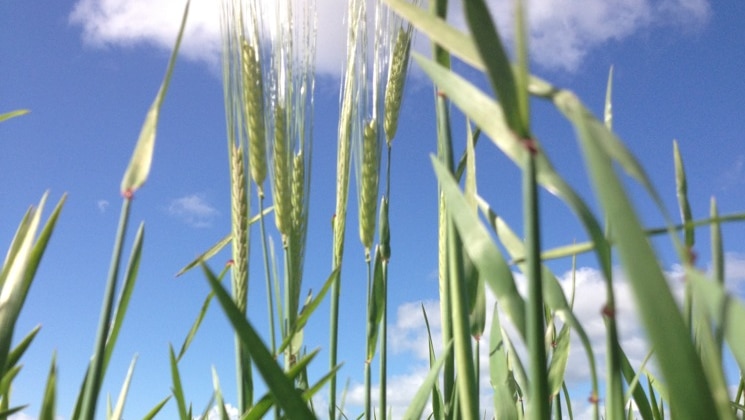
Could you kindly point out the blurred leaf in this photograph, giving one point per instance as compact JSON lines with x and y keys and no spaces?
{"x":205,"y":256}
{"x":177,"y":388}
{"x":719,"y":304}
{"x":500,"y":375}
{"x":688,"y":387}
{"x":16,"y":278}
{"x":119,"y":409}
{"x":637,"y":392}
{"x":9,"y":412}
{"x":417,"y":404}
{"x":483,"y":252}
{"x":13,"y":114}
{"x":48,"y":404}
{"x":438,"y":31}
{"x":437,"y":401}
{"x":155,"y":410}
{"x":139,"y":166}
{"x":376,"y":305}
{"x":130,"y":278}
{"x":218,"y":396}
{"x":494,"y":57}
{"x":310,"y":308}
{"x":681,"y":189}
{"x":488,"y":115}
{"x":290,"y":401}
{"x":559,"y":359}
{"x":16,"y":354}
{"x":7,"y":380}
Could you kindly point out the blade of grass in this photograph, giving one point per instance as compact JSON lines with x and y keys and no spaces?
{"x":15,"y":355}
{"x":689,"y":387}
{"x":155,"y":410}
{"x":417,"y":404}
{"x":499,"y":372}
{"x":177,"y":387}
{"x":139,"y":166}
{"x":275,"y":379}
{"x":211,"y":252}
{"x":49,"y":403}
{"x":13,"y":114}
{"x":119,"y":408}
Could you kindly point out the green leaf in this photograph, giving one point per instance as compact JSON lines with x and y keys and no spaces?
{"x":681,"y":189}
{"x":291,"y":401}
{"x":417,"y":404}
{"x":16,"y":278}
{"x":502,"y":381}
{"x":155,"y":410}
{"x":13,"y":114}
{"x":310,"y":308}
{"x":439,"y":32}
{"x":139,"y":166}
{"x":494,"y":57}
{"x":16,"y":354}
{"x":211,"y":252}
{"x":482,"y":251}
{"x":119,"y":409}
{"x":559,"y":359}
{"x":376,"y":306}
{"x":48,"y":405}
{"x":130,"y":278}
{"x":688,"y":385}
{"x":177,"y":389}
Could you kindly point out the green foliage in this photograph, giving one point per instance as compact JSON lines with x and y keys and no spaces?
{"x":478,"y":250}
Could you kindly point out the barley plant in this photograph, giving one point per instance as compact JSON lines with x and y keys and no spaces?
{"x":269,"y":83}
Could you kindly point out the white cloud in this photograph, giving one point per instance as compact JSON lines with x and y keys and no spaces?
{"x":102,"y":205}
{"x":214,"y":413}
{"x":563,"y":31}
{"x":193,"y":210}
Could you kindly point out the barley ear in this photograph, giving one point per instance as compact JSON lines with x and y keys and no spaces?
{"x":369,"y":184}
{"x":282,"y":173}
{"x":299,"y":217}
{"x":253,"y":91}
{"x":239,"y":221}
{"x":395,"y":84}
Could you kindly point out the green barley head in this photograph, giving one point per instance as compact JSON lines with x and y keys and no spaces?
{"x":253,"y":91}
{"x":395,"y":84}
{"x":281,"y":171}
{"x":368,"y":183}
{"x":239,"y":223}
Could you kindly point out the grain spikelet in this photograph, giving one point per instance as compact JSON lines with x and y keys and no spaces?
{"x":395,"y":84}
{"x":239,"y":222}
{"x":369,"y":183}
{"x":282,"y":173}
{"x":253,"y":91}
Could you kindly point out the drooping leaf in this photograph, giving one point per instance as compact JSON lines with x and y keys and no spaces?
{"x":139,"y":165}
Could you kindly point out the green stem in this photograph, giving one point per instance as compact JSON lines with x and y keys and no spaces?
{"x":539,"y":403}
{"x":384,"y":347}
{"x":368,"y":357}
{"x":95,"y":374}
{"x":267,"y":274}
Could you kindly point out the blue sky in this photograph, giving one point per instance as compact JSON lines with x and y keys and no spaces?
{"x":88,"y":71}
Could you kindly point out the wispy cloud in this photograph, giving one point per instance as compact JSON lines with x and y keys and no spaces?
{"x":102,"y":205}
{"x":194,"y":210}
{"x":563,"y":32}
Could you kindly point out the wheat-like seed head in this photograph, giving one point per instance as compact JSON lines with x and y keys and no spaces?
{"x":282,"y":172}
{"x":253,"y":91}
{"x":395,"y":85}
{"x":370,"y":176}
{"x":299,"y":211}
{"x":239,"y":228}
